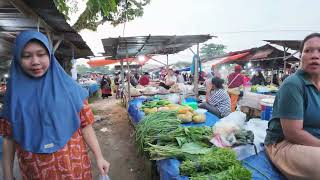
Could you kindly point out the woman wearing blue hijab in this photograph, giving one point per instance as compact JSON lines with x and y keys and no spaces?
{"x":46,"y":118}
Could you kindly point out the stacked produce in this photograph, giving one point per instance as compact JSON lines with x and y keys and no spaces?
{"x":234,"y":172}
{"x":268,"y":88}
{"x":219,"y":163}
{"x":158,"y":105}
{"x":182,"y":135}
{"x":161,"y":135}
{"x":185,"y":113}
{"x":186,"y":151}
{"x":156,"y":123}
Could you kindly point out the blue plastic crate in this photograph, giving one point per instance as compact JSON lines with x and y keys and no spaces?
{"x":190,"y":99}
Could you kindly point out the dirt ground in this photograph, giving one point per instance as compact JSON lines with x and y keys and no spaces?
{"x":115,"y":134}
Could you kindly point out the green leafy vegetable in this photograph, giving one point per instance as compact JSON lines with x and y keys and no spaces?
{"x":156,"y":123}
{"x":234,"y":172}
{"x":187,"y":151}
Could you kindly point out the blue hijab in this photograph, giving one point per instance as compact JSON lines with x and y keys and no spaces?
{"x":43,"y":112}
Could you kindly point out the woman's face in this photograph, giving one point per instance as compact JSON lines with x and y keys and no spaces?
{"x":310,"y":56}
{"x":35,"y":60}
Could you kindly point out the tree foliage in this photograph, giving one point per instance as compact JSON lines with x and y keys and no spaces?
{"x":100,"y":11}
{"x":212,"y":50}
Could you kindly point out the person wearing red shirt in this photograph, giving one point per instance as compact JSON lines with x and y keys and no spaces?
{"x":144,"y":80}
{"x":235,"y":80}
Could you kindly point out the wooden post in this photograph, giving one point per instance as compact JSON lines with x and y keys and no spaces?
{"x":196,"y":74}
{"x":128,"y":75}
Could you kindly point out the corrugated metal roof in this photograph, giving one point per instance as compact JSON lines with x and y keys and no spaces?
{"x":292,"y":44}
{"x":267,"y":56}
{"x":18,"y":15}
{"x":150,"y":45}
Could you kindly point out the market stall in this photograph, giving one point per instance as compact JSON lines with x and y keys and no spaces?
{"x":170,"y":168}
{"x":128,"y":47}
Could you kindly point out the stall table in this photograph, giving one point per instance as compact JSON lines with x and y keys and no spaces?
{"x":259,"y":165}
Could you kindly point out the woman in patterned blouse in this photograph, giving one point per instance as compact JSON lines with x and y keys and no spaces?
{"x":217,"y":99}
{"x":46,"y":118}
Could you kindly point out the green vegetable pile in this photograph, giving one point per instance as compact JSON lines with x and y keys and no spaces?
{"x":244,"y":137}
{"x":187,"y":151}
{"x":161,"y":135}
{"x":182,"y":135}
{"x":234,"y":172}
{"x":152,"y":104}
{"x":215,"y":161}
{"x":220,"y":163}
{"x":160,"y":122}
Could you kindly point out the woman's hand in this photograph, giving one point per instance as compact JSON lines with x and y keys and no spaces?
{"x":103,"y":166}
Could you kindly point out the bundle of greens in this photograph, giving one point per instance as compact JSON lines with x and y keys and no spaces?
{"x":244,"y":137}
{"x":187,"y":151}
{"x":182,"y":135}
{"x":234,"y":172}
{"x":156,"y":123}
{"x":214,"y":161}
{"x":155,"y":103}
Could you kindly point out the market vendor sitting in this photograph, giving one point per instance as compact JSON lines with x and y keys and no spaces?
{"x":258,"y":78}
{"x":169,"y":80}
{"x":217,"y":99}
{"x":293,"y":134}
{"x":144,"y":79}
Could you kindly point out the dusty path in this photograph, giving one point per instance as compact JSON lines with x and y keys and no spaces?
{"x":117,"y":142}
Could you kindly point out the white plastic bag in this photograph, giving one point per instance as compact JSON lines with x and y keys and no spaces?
{"x":225,"y":129}
{"x":104,"y":177}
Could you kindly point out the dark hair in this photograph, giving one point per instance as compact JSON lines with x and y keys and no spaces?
{"x":217,"y":82}
{"x":307,"y":38}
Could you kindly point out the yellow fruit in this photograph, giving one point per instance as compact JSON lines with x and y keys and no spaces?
{"x":182,"y":110}
{"x":200,"y":118}
{"x":184,"y":118}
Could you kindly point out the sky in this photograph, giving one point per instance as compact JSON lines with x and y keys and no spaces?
{"x":239,"y":24}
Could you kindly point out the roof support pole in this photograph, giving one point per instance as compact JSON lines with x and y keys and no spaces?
{"x":157,"y":61}
{"x":285,"y":49}
{"x":56,"y":46}
{"x":192,"y":51}
{"x":196,"y":74}
{"x":38,"y":25}
{"x":167,"y":62}
{"x":128,"y":74}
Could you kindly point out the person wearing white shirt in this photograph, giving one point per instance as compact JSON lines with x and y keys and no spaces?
{"x":180,"y":78}
{"x":169,"y":80}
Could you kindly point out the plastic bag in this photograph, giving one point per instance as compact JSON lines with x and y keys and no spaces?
{"x":225,"y":129}
{"x":104,"y":177}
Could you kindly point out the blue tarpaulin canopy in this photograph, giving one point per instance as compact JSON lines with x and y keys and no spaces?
{"x":184,"y":69}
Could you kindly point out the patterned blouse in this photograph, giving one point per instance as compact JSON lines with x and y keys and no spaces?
{"x":71,"y":162}
{"x":220,"y":99}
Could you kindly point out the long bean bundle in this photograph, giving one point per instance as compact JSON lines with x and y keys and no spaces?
{"x":156,"y":123}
